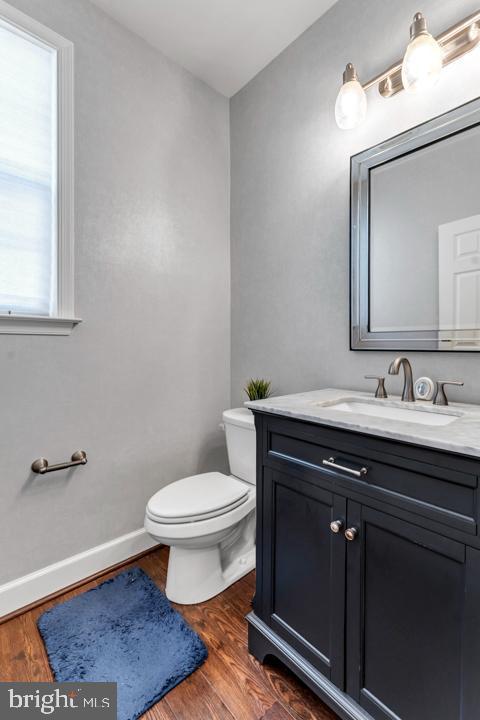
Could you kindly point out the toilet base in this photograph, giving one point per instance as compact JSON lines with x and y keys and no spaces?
{"x":196,"y":574}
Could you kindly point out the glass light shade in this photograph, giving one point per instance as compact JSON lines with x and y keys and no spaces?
{"x":422,"y":63}
{"x":351,"y":105}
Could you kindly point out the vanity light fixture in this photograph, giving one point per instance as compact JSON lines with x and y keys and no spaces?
{"x":420,"y":68}
{"x":351,"y":105}
{"x":423,"y":60}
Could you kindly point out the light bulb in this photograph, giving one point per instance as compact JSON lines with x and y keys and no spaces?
{"x":351,"y":104}
{"x":423,"y":59}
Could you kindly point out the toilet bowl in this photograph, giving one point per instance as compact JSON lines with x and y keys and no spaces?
{"x":208,"y":520}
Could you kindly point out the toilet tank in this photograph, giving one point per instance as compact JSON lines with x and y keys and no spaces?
{"x":241,"y":443}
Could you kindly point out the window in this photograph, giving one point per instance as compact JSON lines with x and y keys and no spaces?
{"x":36,"y":177}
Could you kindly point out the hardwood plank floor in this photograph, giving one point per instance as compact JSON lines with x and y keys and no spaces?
{"x":231,"y":685}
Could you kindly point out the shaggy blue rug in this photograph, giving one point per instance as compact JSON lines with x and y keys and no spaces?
{"x":122,"y":631}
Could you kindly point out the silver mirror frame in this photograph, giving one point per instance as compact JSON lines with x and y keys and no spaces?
{"x":453,"y":122}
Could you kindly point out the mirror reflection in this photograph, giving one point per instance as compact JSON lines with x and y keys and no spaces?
{"x":419,"y":242}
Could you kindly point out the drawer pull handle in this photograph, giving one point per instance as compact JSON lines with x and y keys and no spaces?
{"x":351,"y":534}
{"x":331,"y":463}
{"x":336,"y":526}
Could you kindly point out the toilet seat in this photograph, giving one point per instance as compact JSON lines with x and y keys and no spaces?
{"x":196,"y":498}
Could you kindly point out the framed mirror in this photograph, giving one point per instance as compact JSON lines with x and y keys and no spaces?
{"x":415,"y":238}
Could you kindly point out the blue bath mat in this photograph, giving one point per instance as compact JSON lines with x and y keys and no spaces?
{"x":123,"y":631}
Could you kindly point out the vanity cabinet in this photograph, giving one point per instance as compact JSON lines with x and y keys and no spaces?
{"x":385,"y":625}
{"x":408,"y":595}
{"x":304,"y":571}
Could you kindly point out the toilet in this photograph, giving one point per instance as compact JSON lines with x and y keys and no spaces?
{"x":208,"y":520}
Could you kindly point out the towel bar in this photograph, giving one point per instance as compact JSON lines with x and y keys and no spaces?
{"x":41,"y":465}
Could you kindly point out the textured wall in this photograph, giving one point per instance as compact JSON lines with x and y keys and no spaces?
{"x":141,"y":383}
{"x":290,"y":197}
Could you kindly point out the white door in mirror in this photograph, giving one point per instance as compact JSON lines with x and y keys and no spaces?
{"x":459,"y":280}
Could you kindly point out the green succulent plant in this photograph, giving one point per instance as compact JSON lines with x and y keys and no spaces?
{"x":258,"y":389}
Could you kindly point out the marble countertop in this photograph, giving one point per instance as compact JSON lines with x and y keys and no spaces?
{"x":460,"y":436}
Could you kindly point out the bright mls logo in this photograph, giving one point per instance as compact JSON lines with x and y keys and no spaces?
{"x":58,"y":700}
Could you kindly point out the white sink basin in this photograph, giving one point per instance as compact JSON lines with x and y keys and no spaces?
{"x":411,"y":414}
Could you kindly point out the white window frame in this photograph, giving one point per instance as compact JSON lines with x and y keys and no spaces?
{"x":64,"y":320}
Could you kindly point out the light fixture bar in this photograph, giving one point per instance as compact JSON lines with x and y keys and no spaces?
{"x":459,"y":39}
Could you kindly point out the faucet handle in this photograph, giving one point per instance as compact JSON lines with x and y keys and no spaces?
{"x":380,"y":392}
{"x":440,"y":397}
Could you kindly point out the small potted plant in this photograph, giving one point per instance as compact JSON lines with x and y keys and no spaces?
{"x":258,"y":389}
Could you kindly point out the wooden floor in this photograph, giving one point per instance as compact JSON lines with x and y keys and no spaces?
{"x":231,"y":685}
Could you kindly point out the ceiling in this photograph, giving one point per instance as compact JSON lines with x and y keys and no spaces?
{"x":224,"y":42}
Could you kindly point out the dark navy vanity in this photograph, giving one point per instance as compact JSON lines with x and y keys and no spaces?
{"x":368,"y":562}
{"x":368,"y":553}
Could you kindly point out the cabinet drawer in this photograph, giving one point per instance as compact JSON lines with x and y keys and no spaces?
{"x":425,"y":482}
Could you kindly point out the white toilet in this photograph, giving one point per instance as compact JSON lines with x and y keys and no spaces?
{"x":209,"y":520}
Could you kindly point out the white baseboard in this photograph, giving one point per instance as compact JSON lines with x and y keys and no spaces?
{"x":37,"y":585}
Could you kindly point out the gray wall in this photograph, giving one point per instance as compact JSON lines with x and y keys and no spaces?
{"x":290,"y":197}
{"x":141,"y":383}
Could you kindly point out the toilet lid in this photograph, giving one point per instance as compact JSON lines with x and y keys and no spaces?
{"x":197,"y":497}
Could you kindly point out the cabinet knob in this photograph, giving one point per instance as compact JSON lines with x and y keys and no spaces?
{"x":336,"y":526}
{"x":351,"y":534}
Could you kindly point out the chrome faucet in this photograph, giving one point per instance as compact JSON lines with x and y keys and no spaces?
{"x":407,"y":395}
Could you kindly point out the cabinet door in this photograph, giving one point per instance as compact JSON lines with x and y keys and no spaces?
{"x":413,"y":648}
{"x":303,"y":565}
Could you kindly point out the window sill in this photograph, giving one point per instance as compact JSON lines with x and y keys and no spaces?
{"x":36,"y":325}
